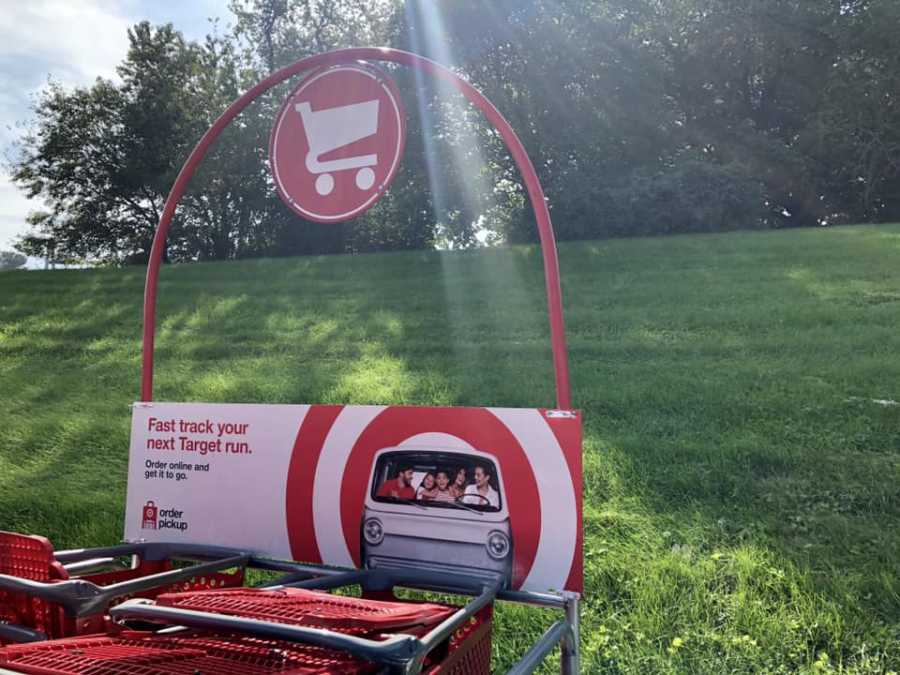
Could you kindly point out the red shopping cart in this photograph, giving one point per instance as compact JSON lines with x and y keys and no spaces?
{"x":284,"y":630}
{"x":46,"y":594}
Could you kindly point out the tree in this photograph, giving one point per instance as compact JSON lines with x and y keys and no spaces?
{"x":96,"y":155}
{"x":103,"y":158}
{"x":280,"y":32}
{"x":584,"y":99}
{"x":854,"y":139}
{"x":10,"y":260}
{"x":640,"y":116}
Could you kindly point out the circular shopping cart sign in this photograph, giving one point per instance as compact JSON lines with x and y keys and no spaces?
{"x":337,"y":142}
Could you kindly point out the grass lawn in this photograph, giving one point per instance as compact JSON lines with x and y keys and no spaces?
{"x":742,"y":444}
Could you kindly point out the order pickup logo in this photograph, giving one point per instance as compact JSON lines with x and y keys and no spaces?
{"x":148,"y":521}
{"x":154,"y":518}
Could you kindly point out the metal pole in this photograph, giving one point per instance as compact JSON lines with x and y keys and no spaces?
{"x":570,"y":661}
{"x":535,"y":656}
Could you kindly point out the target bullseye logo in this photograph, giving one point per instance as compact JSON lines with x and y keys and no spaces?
{"x":337,"y":142}
{"x":332,"y":466}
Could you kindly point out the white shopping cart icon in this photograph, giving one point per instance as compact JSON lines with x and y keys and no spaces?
{"x":333,"y":128}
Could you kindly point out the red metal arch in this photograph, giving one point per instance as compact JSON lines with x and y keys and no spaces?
{"x":532,"y":184}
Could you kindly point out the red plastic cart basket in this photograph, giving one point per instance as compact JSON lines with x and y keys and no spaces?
{"x":32,"y":558}
{"x":302,"y":607}
{"x":467,"y":651}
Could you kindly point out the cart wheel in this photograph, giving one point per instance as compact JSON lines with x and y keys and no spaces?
{"x":365,"y":178}
{"x":324,"y":184}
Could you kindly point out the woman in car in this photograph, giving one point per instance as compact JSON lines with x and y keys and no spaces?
{"x":427,"y":488}
{"x":444,"y":491}
{"x":458,"y":489}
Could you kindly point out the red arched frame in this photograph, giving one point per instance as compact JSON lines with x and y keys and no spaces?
{"x":532,"y":184}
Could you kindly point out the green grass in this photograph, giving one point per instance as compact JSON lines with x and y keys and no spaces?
{"x":742,"y":483}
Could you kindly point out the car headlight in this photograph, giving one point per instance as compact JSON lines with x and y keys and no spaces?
{"x":497,"y":545}
{"x":373,"y":531}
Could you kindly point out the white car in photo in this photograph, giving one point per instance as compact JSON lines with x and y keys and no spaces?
{"x":410,"y":523}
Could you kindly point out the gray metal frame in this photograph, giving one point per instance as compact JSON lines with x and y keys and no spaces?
{"x":80,"y":598}
{"x":401,"y":654}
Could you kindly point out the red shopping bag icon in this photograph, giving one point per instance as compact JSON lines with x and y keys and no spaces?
{"x":149,"y":519}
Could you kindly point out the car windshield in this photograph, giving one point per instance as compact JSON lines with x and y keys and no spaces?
{"x":439,"y":479}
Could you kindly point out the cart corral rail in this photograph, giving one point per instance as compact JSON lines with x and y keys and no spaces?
{"x":341,"y":56}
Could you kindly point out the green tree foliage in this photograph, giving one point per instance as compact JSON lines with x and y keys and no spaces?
{"x":103,"y":158}
{"x":279,"y":32}
{"x":10,"y":260}
{"x":855,"y":141}
{"x":641,"y":117}
{"x":276,"y":33}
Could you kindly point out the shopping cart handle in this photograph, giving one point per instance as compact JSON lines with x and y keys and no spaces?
{"x":158,"y":550}
{"x":92,"y":565}
{"x":72,"y":594}
{"x":84,"y":598}
{"x":12,"y":632}
{"x":395,"y":650}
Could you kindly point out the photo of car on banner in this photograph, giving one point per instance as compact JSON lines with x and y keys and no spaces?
{"x":446,"y":524}
{"x":481,"y":503}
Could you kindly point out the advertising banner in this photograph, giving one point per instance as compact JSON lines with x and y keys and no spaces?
{"x":479,"y":491}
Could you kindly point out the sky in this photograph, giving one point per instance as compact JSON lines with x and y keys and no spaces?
{"x":72,"y":42}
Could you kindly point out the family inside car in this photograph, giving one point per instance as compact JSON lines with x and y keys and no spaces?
{"x":436,"y":485}
{"x":437,"y":509}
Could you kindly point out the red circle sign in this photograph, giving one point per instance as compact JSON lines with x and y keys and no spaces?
{"x":337,"y":142}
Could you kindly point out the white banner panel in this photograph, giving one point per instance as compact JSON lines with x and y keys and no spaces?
{"x":214,"y":473}
{"x":479,"y":491}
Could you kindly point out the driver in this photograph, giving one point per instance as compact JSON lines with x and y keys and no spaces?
{"x":400,"y":487}
{"x":481,"y":492}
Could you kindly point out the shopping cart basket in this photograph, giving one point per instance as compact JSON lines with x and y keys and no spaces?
{"x":282,"y":630}
{"x":46,"y":594}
